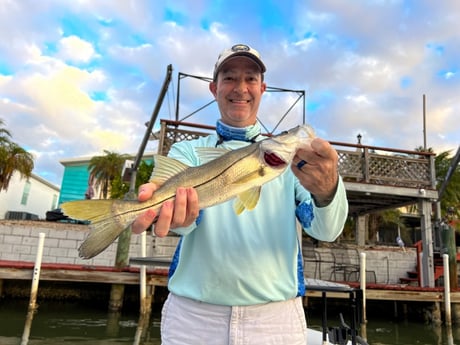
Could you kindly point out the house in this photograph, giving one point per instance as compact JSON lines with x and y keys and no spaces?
{"x":28,"y":198}
{"x":76,"y":179}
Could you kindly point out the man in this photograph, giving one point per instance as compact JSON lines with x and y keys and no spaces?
{"x":239,"y":279}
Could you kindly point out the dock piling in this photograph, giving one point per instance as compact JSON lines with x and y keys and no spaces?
{"x":36,"y":273}
{"x":33,"y":289}
{"x":362,"y":274}
{"x":145,"y":302}
{"x":445,"y":258}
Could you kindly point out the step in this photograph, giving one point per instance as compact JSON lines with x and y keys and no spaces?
{"x":409,"y":281}
{"x":438,"y":272}
{"x":438,"y":257}
{"x":412,"y":274}
{"x":438,"y":262}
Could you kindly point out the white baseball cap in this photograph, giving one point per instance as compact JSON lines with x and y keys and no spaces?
{"x":238,"y":50}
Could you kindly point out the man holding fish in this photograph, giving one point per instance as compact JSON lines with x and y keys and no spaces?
{"x":236,"y":199}
{"x":238,"y":279}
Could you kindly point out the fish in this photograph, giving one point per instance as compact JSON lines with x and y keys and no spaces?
{"x":223,"y":175}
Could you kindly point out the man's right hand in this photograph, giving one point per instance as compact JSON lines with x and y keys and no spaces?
{"x":180,"y":212}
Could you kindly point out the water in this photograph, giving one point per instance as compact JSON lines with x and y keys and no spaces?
{"x":74,"y":323}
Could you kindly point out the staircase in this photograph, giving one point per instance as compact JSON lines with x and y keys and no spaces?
{"x":413,"y":277}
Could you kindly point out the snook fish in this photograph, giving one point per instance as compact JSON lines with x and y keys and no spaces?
{"x":222,"y":176}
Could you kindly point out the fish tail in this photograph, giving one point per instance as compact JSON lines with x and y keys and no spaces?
{"x":105,"y":225}
{"x":102,"y":234}
{"x":93,"y":210}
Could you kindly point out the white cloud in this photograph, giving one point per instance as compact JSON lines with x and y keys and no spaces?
{"x":74,"y":49}
{"x":82,"y":76}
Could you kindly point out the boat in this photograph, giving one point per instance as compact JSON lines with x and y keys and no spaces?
{"x":343,"y":334}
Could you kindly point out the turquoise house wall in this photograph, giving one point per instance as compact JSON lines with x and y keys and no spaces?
{"x":75,"y":178}
{"x":74,"y":183}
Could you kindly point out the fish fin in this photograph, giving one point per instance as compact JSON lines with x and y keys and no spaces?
{"x":93,"y":210}
{"x":208,"y":154}
{"x":165,"y":168}
{"x":247,"y":200}
{"x":105,"y":226}
{"x":238,"y":206}
{"x":102,"y":234}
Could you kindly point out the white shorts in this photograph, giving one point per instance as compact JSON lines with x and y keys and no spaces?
{"x":188,"y":322}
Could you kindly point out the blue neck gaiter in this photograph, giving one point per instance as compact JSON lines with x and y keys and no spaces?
{"x":227,"y":132}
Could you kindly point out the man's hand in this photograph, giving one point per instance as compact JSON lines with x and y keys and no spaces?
{"x":180,"y":212}
{"x":316,"y":169}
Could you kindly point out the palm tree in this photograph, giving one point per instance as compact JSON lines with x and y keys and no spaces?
{"x":12,"y":158}
{"x":451,"y":197}
{"x":120,"y":188}
{"x":422,"y":149}
{"x":106,"y":168}
{"x":5,"y":135}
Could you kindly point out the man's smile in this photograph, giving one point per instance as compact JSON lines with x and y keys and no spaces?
{"x":240,"y":101}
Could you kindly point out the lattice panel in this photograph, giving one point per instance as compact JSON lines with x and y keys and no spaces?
{"x":350,"y":164}
{"x":174,"y":135}
{"x":357,"y":165}
{"x":399,"y":171}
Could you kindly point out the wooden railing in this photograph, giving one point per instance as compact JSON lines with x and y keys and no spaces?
{"x":386,"y":166}
{"x":357,"y":163}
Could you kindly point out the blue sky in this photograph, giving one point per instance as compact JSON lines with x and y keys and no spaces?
{"x":78,"y":77}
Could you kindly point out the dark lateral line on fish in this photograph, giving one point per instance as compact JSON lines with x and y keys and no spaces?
{"x":145,"y":208}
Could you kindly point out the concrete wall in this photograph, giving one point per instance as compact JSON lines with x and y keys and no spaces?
{"x":384,"y":265}
{"x":19,"y":240}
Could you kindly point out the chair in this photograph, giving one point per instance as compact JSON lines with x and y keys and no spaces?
{"x":310,"y":254}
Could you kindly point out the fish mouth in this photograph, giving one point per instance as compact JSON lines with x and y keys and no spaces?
{"x":273,"y":160}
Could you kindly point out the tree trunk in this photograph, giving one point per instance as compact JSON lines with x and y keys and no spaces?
{"x":449,"y":248}
{"x":121,"y":261}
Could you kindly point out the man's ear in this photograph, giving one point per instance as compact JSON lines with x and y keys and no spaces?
{"x":213,"y":88}
{"x":263,"y":87}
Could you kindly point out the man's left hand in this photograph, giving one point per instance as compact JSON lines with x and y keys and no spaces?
{"x":316,"y":167}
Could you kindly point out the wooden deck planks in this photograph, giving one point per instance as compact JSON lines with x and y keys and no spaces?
{"x":79,"y":273}
{"x":158,"y":277}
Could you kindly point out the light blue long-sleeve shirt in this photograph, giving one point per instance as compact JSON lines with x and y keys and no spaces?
{"x":254,"y":257}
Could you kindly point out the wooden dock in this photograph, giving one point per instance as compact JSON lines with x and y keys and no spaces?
{"x":158,"y":276}
{"x":396,"y":292}
{"x":20,"y":270}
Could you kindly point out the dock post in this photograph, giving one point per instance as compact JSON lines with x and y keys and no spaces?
{"x":450,"y":336}
{"x":33,"y":289}
{"x":145,"y":301}
{"x":362,"y":274}
{"x":421,"y":277}
{"x":36,"y":273}
{"x":445,"y":258}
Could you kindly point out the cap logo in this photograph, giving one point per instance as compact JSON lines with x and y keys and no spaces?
{"x":240,"y":48}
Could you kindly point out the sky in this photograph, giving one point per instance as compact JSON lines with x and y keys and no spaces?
{"x":80,"y":77}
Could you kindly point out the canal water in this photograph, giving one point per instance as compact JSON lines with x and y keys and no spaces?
{"x":79,"y":324}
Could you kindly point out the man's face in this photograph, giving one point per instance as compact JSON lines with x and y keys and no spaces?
{"x":238,"y":91}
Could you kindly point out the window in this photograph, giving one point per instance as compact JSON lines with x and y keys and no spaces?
{"x":54,"y":203}
{"x":25,"y":193}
